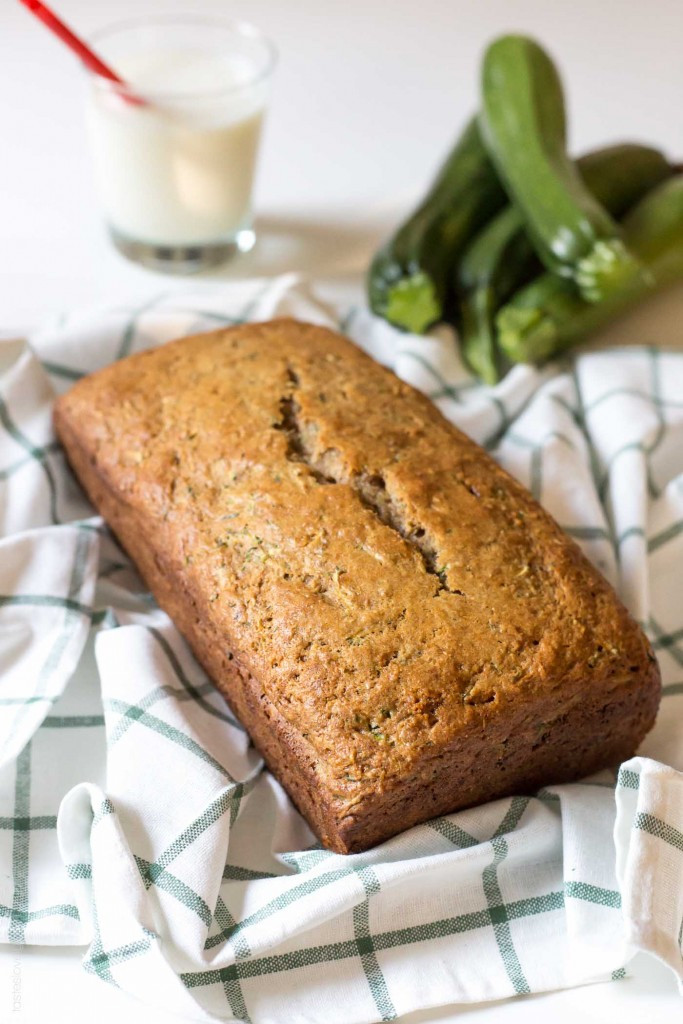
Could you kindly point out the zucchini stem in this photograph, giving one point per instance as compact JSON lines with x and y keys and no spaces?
{"x":609,"y":268}
{"x":413,"y":303}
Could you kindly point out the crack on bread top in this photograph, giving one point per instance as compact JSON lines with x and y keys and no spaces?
{"x":327,"y":467}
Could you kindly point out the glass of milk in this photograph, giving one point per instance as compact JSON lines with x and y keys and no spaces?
{"x":175,"y":148}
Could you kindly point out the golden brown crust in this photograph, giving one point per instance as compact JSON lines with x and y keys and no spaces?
{"x":402,"y":629}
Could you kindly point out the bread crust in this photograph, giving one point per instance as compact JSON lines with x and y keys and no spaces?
{"x":401,"y":628}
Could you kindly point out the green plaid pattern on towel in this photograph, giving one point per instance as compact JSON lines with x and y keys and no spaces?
{"x":137,"y":821}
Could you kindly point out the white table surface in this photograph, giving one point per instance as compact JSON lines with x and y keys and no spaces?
{"x":367,"y":97}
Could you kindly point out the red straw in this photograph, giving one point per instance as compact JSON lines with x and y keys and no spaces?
{"x":81,"y":49}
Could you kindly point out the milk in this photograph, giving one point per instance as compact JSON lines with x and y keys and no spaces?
{"x":178,"y":169}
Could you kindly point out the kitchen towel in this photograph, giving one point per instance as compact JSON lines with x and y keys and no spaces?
{"x":138,"y":821}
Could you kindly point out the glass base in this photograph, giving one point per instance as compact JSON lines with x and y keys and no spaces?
{"x":182,"y":259}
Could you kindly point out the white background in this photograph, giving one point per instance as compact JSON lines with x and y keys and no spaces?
{"x":367,"y":97}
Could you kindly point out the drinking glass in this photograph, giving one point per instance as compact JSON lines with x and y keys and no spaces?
{"x":175,"y":148}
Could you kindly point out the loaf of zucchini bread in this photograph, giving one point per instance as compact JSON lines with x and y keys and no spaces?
{"x":399,"y":625}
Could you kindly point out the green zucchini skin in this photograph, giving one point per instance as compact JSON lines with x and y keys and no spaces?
{"x":548,"y":316}
{"x":496,"y":262}
{"x":522,"y":124}
{"x":410,"y":279}
{"x":501,"y":258}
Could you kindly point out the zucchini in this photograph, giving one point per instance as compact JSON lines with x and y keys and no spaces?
{"x":549,"y":316}
{"x":619,"y":176}
{"x":497,"y":261}
{"x":410,"y":278}
{"x":523,"y":128}
{"x":501,"y":257}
